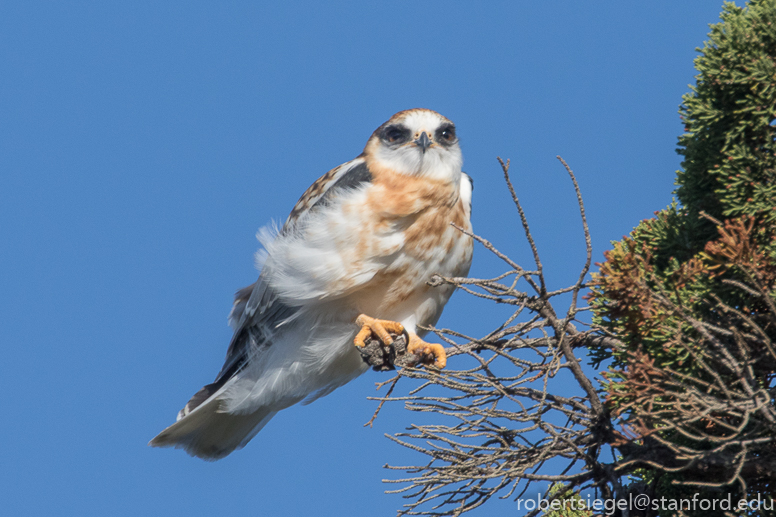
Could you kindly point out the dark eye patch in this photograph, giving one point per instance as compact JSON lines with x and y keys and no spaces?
{"x":445,"y":134}
{"x":395,"y":134}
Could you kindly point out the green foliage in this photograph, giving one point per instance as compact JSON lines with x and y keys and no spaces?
{"x":676,"y":269}
{"x":656,"y":246}
{"x":729,"y":166}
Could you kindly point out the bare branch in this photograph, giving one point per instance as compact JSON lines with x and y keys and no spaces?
{"x":523,"y":409}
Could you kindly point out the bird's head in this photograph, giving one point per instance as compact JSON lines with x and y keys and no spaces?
{"x":416,"y":142}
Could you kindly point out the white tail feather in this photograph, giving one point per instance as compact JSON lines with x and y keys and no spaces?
{"x":211,"y":434}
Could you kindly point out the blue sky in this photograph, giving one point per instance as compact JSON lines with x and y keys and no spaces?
{"x":142,"y":145}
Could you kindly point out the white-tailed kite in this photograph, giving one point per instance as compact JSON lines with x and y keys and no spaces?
{"x":353,"y":259}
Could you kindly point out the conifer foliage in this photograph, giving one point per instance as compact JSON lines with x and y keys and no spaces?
{"x":691,"y":294}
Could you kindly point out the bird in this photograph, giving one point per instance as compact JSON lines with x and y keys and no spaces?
{"x":353,"y":260}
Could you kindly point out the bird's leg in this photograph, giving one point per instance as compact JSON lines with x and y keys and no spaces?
{"x":380,"y":328}
{"x":419,"y":347}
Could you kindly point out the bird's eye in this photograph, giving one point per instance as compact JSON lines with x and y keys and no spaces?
{"x":446,"y":134}
{"x":395,"y":134}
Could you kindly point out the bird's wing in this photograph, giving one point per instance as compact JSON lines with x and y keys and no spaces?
{"x":259,"y":311}
{"x":467,"y":188}
{"x":258,"y":302}
{"x":331,"y":244}
{"x":349,"y":175}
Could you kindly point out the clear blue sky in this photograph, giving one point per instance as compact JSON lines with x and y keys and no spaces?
{"x":142,"y":144}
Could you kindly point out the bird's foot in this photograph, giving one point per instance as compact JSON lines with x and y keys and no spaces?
{"x":383,"y":329}
{"x":420,"y":348}
{"x":380,"y":328}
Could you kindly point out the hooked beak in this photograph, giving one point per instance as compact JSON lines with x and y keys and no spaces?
{"x":422,"y":141}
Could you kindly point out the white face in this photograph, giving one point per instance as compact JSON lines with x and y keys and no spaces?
{"x":420,"y":143}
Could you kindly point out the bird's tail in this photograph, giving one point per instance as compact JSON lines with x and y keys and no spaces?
{"x":209,"y":433}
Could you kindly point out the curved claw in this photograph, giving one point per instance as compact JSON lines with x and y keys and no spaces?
{"x":379,"y":328}
{"x":419,"y":347}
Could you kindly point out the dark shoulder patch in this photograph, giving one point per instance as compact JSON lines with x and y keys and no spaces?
{"x":351,"y":180}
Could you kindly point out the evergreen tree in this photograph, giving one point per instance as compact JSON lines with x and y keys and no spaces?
{"x":691,"y":293}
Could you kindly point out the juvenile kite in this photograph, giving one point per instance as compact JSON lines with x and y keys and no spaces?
{"x":352,"y":260}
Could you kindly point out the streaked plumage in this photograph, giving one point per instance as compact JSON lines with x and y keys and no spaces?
{"x":364,"y":239}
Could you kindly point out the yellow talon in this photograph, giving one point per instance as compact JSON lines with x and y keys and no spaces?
{"x":380,"y":328}
{"x":419,"y":347}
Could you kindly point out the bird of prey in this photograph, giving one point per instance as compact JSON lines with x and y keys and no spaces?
{"x":353,"y":260}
